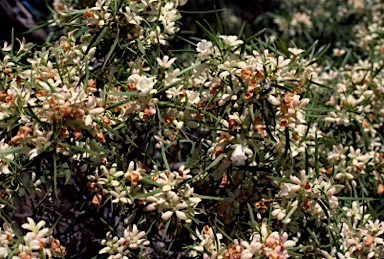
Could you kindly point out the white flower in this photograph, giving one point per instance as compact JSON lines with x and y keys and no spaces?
{"x":193,"y":97}
{"x":4,"y":168}
{"x":35,"y":228}
{"x":338,"y":52}
{"x":238,"y":156}
{"x":33,"y":241}
{"x":135,"y":237}
{"x":117,"y":247}
{"x":145,"y":85}
{"x":184,"y":173}
{"x":167,"y":215}
{"x":296,"y":51}
{"x":274,"y":246}
{"x":41,"y":141}
{"x":110,"y":177}
{"x":168,"y":13}
{"x":134,"y":175}
{"x":296,"y":107}
{"x":120,"y":196}
{"x":338,"y":153}
{"x":6,"y":47}
{"x":231,"y":40}
{"x":301,"y":20}
{"x":182,"y":2}
{"x":131,"y":17}
{"x":329,"y":255}
{"x":204,"y":46}
{"x":165,"y":62}
{"x":4,"y":251}
{"x":279,"y":213}
{"x":273,"y":100}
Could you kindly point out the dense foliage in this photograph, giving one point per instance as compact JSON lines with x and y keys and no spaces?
{"x":115,"y":144}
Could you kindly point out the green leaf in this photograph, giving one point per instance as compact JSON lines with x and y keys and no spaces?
{"x":86,"y":79}
{"x":55,"y":177}
{"x":166,"y":228}
{"x":313,"y":235}
{"x":81,"y":149}
{"x":224,"y":233}
{"x":97,"y":38}
{"x":140,"y":46}
{"x":11,"y":151}
{"x":162,"y":151}
{"x":210,"y":36}
{"x":33,"y":115}
{"x":187,"y":69}
{"x":215,"y":162}
{"x":111,"y":228}
{"x":35,"y":28}
{"x":81,"y":32}
{"x":253,"y":221}
{"x":111,"y":50}
{"x":204,"y":197}
{"x":130,"y":93}
{"x":363,"y":133}
{"x":191,"y":231}
{"x":288,"y":216}
{"x":116,"y":105}
{"x":202,"y":12}
{"x":144,"y":195}
{"x":218,"y":20}
{"x":149,"y":181}
{"x":7,"y":204}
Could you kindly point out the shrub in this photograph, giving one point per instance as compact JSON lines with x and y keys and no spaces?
{"x":236,"y":147}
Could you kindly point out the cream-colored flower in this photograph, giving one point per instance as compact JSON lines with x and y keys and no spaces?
{"x":135,"y":237}
{"x":231,"y":40}
{"x":36,"y":228}
{"x":204,"y":47}
{"x":165,"y":62}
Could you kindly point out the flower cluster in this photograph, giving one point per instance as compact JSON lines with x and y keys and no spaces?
{"x":145,"y":22}
{"x":37,"y":243}
{"x":246,"y":141}
{"x":360,"y":235}
{"x":120,"y":247}
{"x":263,"y":244}
{"x":355,"y":23}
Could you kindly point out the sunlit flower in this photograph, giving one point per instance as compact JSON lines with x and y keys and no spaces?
{"x":36,"y":228}
{"x":145,"y":85}
{"x":165,"y":62}
{"x":231,"y":40}
{"x":204,"y":46}
{"x":135,"y":237}
{"x":238,"y":156}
